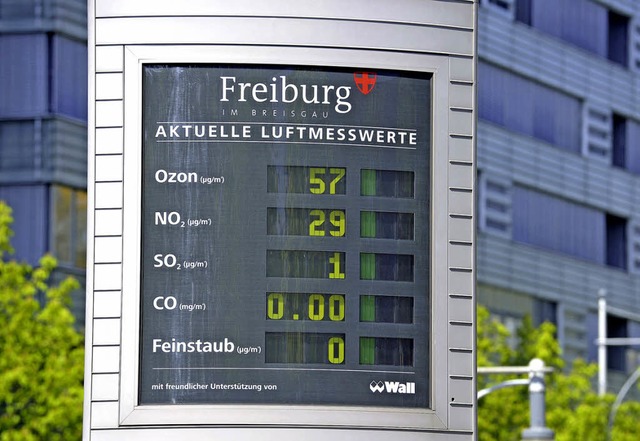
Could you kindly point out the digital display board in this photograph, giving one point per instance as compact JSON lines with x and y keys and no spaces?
{"x":285,"y":236}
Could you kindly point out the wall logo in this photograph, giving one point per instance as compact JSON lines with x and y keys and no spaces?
{"x":365,"y":81}
{"x":393,"y":387}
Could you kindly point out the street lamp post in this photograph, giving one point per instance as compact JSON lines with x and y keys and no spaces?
{"x":537,"y":430}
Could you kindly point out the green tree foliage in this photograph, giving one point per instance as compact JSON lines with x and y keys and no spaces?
{"x":41,"y":354}
{"x":574,"y":409}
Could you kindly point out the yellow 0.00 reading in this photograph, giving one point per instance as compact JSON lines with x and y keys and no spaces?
{"x":303,"y":306}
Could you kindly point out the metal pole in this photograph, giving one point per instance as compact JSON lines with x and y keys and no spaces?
{"x":602,"y":346}
{"x":538,"y":430}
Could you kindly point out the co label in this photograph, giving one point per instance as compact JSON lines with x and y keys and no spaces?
{"x":162,"y":302}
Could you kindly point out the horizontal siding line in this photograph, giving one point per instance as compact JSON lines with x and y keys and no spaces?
{"x":463,"y":163}
{"x":308,"y":46}
{"x":461,"y":350}
{"x":461,"y":296}
{"x":293,"y":17}
{"x":455,"y":269}
{"x":108,"y":235}
{"x":460,"y":404}
{"x":461,"y":377}
{"x":460,"y":323}
{"x":461,"y":82}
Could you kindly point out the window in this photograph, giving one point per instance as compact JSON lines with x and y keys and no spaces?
{"x":558,"y":225}
{"x":616,"y":355}
{"x":494,"y":207}
{"x":545,"y":311}
{"x":528,"y":107}
{"x":618,"y":39}
{"x":616,"y":237}
{"x":42,"y":74}
{"x":523,"y":11}
{"x":583,"y":23}
{"x":619,"y":141}
{"x":69,"y":225}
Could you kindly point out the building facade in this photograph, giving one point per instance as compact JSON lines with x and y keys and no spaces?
{"x":43,"y":123}
{"x":559,"y":168}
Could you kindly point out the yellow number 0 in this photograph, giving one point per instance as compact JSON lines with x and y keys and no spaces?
{"x":336,"y":350}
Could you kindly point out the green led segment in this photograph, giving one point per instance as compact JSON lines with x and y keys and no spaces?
{"x":386,"y":309}
{"x":306,"y":180}
{"x":383,"y":351}
{"x":306,"y":264}
{"x":306,"y":222}
{"x":303,"y":306}
{"x":390,"y":267}
{"x":384,"y":225}
{"x":304,"y":348}
{"x":387,"y":183}
{"x":367,"y":350}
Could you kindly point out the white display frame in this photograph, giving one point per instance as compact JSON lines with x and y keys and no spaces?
{"x":132,"y":414}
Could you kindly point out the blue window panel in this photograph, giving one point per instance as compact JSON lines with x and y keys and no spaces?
{"x":618,"y":38}
{"x":529,"y":108}
{"x":632,"y":144}
{"x":23,"y":75}
{"x":558,"y":225}
{"x":616,"y":238}
{"x":579,"y":22}
{"x":491,"y":96}
{"x":30,"y":220}
{"x":69,"y":70}
{"x":616,"y":355}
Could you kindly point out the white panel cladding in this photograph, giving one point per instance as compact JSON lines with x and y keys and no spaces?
{"x":410,"y":26}
{"x":107,"y":304}
{"x":597,"y":136}
{"x":110,"y":58}
{"x":108,"y":222}
{"x":455,"y":14}
{"x":108,"y":140}
{"x":106,"y":359}
{"x":288,"y":31}
{"x":494,"y":210}
{"x":109,"y":86}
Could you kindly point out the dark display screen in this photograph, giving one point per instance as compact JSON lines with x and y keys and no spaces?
{"x":285,"y":236}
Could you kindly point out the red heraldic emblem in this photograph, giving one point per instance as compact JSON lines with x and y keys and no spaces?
{"x":365,"y":81}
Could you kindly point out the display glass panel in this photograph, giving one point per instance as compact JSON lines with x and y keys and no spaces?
{"x":285,"y":236}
